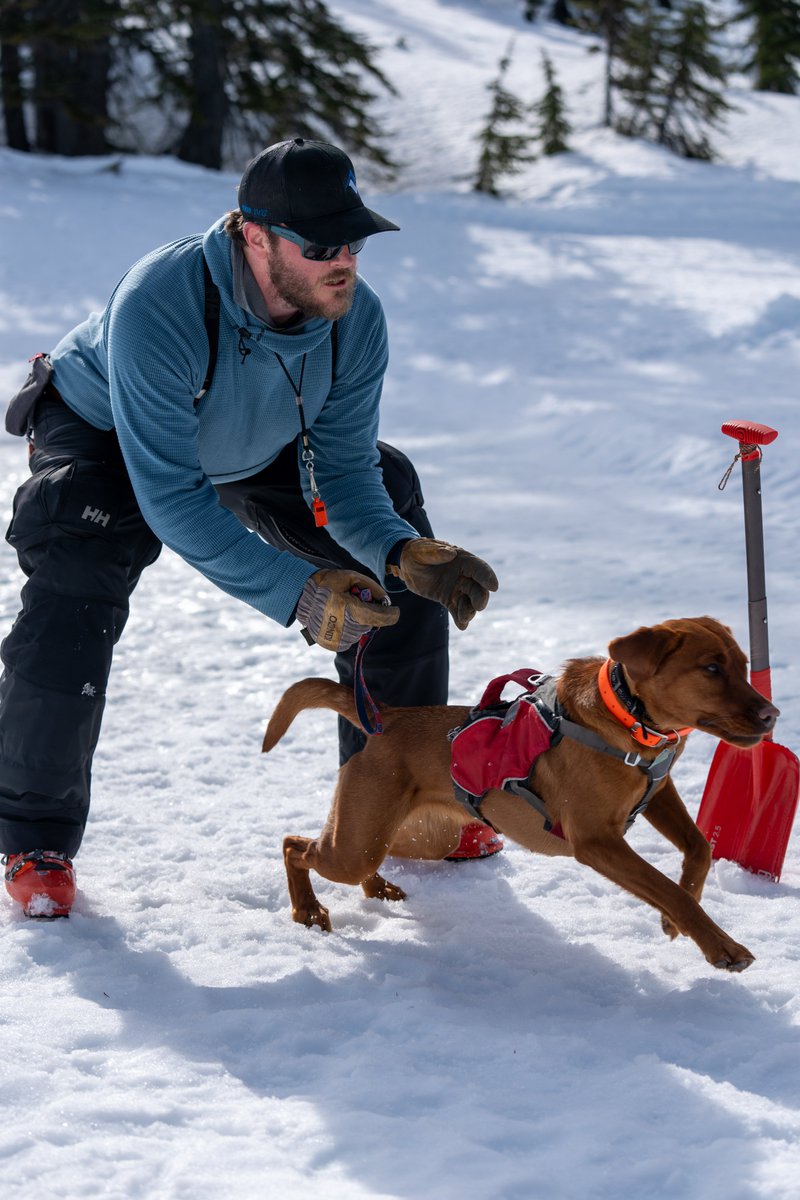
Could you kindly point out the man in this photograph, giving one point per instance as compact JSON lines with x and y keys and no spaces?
{"x":231,"y":385}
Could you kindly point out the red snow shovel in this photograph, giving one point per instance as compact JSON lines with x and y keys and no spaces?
{"x":751,"y":795}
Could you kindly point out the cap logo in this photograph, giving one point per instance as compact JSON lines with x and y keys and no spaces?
{"x":254,"y":212}
{"x":350,"y":182}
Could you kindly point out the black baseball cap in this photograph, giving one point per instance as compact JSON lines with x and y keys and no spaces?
{"x":310,"y":187}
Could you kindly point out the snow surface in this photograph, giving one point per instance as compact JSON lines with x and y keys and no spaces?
{"x":519,"y":1028}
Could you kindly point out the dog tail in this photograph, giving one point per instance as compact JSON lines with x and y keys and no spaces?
{"x":308,"y":693}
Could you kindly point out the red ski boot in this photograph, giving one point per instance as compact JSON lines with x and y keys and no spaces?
{"x":42,"y":881}
{"x":477,"y":841}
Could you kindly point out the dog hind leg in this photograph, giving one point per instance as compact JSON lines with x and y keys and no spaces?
{"x":302,"y":855}
{"x":306,"y":908}
{"x":369,"y":805}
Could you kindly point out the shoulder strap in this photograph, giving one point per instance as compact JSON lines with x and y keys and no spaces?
{"x":211,"y":320}
{"x":334,"y":350}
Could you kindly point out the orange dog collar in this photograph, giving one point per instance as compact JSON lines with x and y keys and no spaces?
{"x":641,"y":733}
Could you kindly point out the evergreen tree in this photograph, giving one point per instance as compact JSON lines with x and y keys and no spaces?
{"x":773,"y":44}
{"x":695,"y":77}
{"x":63,"y":51}
{"x":559,"y":11}
{"x":248,"y":72}
{"x":554,"y":128}
{"x":673,"y":79}
{"x":637,"y":74}
{"x":502,"y":153}
{"x":609,"y":20}
{"x":12,"y":23}
{"x":232,"y":74}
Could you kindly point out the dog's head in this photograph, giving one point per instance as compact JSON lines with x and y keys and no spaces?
{"x":692,"y":672}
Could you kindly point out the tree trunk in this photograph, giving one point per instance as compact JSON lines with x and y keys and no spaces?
{"x":72,"y":76}
{"x":613,"y":15}
{"x":46,"y":89}
{"x":201,"y":141}
{"x":91,"y":82}
{"x":560,"y":12}
{"x":13,"y":114}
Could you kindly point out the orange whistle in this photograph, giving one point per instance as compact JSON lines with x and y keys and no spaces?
{"x":320,"y":515}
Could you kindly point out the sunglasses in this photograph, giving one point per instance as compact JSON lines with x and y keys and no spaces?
{"x":314,"y":251}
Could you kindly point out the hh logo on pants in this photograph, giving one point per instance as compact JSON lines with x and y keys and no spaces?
{"x":95,"y":515}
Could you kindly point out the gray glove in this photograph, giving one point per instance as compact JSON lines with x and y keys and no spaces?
{"x":451,"y":576}
{"x":335,"y":615}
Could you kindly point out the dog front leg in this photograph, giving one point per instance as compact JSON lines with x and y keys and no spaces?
{"x":611,"y":856}
{"x":667,"y":813}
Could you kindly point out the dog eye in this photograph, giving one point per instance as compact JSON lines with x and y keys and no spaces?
{"x":711,"y":668}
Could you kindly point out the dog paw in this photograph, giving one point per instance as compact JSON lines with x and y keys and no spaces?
{"x":737,"y":958}
{"x":378,"y":888}
{"x":393,"y":892}
{"x":313,"y":915}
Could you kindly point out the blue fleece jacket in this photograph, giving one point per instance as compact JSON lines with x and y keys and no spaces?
{"x":137,"y":367}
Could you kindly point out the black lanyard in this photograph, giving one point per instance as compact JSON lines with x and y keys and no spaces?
{"x":317,"y":503}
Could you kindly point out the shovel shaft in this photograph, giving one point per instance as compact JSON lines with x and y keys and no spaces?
{"x":756,"y":574}
{"x":750,"y":437}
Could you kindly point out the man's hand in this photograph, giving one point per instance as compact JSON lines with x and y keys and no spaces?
{"x":451,"y":576}
{"x":337,"y":607}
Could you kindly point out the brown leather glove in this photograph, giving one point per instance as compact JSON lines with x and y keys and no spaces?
{"x":451,"y":576}
{"x":336,"y":618}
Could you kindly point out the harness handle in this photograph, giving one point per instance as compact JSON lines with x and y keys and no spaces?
{"x":526,"y":677}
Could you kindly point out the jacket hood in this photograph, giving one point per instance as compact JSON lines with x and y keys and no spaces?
{"x":217,"y":249}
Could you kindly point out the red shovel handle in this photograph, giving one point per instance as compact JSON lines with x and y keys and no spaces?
{"x":749,"y":433}
{"x":762,"y":682}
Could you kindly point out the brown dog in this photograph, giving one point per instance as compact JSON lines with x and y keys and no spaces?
{"x":396,"y":796}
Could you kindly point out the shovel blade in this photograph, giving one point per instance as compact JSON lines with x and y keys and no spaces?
{"x":749,"y":805}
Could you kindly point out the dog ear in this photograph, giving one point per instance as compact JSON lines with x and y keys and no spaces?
{"x":642,"y":652}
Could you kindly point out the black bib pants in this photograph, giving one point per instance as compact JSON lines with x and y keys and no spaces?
{"x":83,"y":543}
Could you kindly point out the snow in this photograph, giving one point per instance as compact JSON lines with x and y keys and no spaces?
{"x":517,"y":1029}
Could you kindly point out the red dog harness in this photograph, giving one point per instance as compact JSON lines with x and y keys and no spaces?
{"x":500,"y":741}
{"x":498,"y":744}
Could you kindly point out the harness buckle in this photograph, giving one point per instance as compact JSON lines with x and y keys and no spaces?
{"x":632,"y":759}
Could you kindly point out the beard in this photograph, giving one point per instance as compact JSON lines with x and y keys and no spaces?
{"x":317,"y":299}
